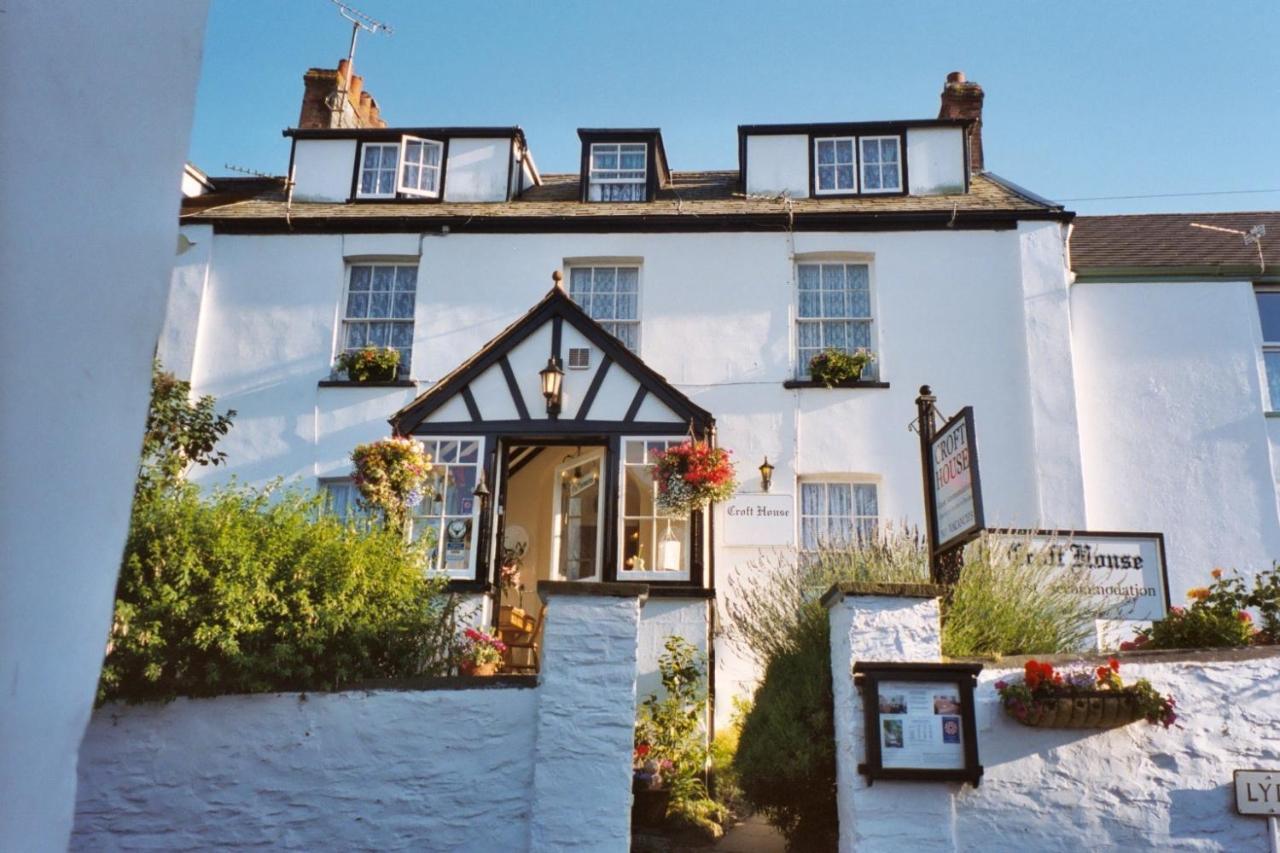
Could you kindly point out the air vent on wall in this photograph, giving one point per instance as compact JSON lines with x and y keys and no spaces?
{"x":579,"y":358}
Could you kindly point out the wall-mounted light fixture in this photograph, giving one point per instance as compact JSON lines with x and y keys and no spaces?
{"x":766,"y":475}
{"x":552,"y":376}
{"x":481,"y":490}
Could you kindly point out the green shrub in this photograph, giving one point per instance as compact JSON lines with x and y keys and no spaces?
{"x":247,"y":591}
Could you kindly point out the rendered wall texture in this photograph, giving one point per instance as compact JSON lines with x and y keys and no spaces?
{"x":1138,"y":787}
{"x":501,"y":768}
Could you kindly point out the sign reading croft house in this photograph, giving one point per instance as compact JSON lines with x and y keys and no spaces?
{"x":761,"y":520}
{"x":1126,"y":568}
{"x":955,"y":489}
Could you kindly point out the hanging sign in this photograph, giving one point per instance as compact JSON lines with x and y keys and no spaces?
{"x":954,"y":485}
{"x":1126,"y":569}
{"x":760,"y":520}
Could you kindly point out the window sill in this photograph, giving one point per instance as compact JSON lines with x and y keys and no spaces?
{"x":851,"y":383}
{"x":347,"y":383}
{"x":1272,"y":414}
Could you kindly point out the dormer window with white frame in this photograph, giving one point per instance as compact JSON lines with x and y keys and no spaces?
{"x":835,"y":165}
{"x":881,"y":164}
{"x":857,"y":165}
{"x":410,"y":167}
{"x":619,"y":171}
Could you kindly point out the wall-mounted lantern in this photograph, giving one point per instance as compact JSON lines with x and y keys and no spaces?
{"x":552,"y":375}
{"x":481,"y":490}
{"x":766,"y":475}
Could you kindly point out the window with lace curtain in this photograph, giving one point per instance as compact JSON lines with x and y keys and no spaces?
{"x":379,"y":308}
{"x":611,"y":296}
{"x":835,"y":514}
{"x":619,"y":171}
{"x":833,"y":311}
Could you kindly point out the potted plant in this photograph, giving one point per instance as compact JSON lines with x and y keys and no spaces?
{"x":1082,"y":699}
{"x":512,"y":559}
{"x":833,"y":366}
{"x":691,"y":475}
{"x":391,"y":475}
{"x":370,"y":364}
{"x":481,"y":653}
{"x":650,"y":794}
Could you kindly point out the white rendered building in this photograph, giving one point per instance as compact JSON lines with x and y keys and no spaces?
{"x":690,"y":304}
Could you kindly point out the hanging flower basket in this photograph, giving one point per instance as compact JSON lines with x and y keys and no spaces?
{"x":1045,"y":698}
{"x":691,"y":475}
{"x":392,"y":476}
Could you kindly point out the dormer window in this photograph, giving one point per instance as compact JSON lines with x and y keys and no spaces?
{"x":836,"y":165}
{"x":618,"y":171}
{"x":410,"y":166}
{"x":881,"y":164}
{"x":847,"y":165}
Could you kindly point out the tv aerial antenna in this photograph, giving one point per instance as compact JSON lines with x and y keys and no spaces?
{"x":1251,"y":237}
{"x":359,"y":21}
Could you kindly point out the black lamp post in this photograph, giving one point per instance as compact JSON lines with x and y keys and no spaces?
{"x":766,"y":475}
{"x":552,"y":376}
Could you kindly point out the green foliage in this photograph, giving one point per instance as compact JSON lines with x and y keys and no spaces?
{"x":833,"y":365}
{"x":371,"y":364}
{"x":1218,"y":616}
{"x":670,"y":725}
{"x":1008,"y":601}
{"x":180,"y":433}
{"x":248,"y":591}
{"x":786,"y":762}
{"x":726,"y":787}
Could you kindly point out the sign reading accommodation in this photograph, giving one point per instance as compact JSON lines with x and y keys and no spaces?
{"x":955,"y":488}
{"x":1126,"y":569}
{"x":761,"y":520}
{"x":1258,"y":792}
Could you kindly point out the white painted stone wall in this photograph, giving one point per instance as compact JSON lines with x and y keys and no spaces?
{"x":1172,"y":429}
{"x":496,"y":768}
{"x":1139,"y":787}
{"x":86,"y":251}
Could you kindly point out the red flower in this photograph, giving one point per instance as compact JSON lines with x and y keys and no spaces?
{"x":1114,"y":664}
{"x":642,"y":750}
{"x":1244,"y":616}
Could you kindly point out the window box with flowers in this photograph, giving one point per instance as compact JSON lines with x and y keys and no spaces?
{"x":1218,"y":616}
{"x":1082,"y":698}
{"x":369,"y":365}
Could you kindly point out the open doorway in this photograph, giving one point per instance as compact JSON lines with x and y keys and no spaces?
{"x":551,"y":528}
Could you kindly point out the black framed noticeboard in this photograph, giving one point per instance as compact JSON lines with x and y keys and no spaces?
{"x":920,"y":723}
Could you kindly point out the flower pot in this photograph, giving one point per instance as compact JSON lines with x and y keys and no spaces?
{"x":482,"y":670}
{"x":649,"y":808}
{"x":1096,"y":709}
{"x":374,"y":374}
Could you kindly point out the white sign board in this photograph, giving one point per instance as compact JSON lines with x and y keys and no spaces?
{"x":1258,"y":792}
{"x":761,"y":520}
{"x":1123,"y":568}
{"x":956,"y":488}
{"x":920,"y":725}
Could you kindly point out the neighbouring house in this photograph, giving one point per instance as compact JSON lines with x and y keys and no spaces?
{"x":689,"y":304}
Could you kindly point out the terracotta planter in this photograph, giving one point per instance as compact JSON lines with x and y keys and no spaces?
{"x":649,"y":807}
{"x":480,"y":670}
{"x":1096,"y":709}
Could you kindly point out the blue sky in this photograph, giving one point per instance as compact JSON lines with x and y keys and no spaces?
{"x":1084,"y":99}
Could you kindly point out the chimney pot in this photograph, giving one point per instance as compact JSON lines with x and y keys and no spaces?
{"x":955,"y":77}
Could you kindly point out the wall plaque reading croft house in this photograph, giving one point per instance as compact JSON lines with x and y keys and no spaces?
{"x":761,"y":520}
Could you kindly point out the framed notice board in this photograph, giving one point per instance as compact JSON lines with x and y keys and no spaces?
{"x":920,"y":723}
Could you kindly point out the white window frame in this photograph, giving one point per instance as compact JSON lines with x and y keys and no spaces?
{"x":1270,"y":405}
{"x":433,"y":444}
{"x":687,"y":554}
{"x":354,"y":512}
{"x":613,"y":321}
{"x":437,"y":171}
{"x":863,"y":165}
{"x":364,"y":156}
{"x":599,"y":456}
{"x":406,"y":366}
{"x":643,"y":173}
{"x":828,"y":480}
{"x":853,"y":164}
{"x":874,"y":370}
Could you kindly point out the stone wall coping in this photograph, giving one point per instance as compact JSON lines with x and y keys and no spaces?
{"x":613,"y":589}
{"x":1245,"y":653}
{"x":441,"y":682}
{"x":843,"y":590}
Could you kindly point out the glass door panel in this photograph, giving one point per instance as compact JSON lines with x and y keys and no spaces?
{"x":578,"y":516}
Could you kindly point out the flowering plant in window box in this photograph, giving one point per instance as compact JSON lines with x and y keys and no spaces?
{"x":371,"y":364}
{"x":1082,"y":699}
{"x":391,"y":475}
{"x":481,"y":653}
{"x":833,"y":366}
{"x":1218,"y":616}
{"x":691,"y":475}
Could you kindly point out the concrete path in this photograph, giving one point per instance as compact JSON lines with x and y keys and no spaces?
{"x":753,"y":835}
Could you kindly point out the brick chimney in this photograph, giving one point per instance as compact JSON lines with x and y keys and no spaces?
{"x":325,"y":105}
{"x":961,"y":99}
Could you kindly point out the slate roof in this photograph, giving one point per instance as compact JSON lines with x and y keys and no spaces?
{"x":1152,"y":243}
{"x":710,"y":196}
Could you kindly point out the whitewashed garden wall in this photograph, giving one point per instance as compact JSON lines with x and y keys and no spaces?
{"x":522,"y":763}
{"x":1139,"y":787}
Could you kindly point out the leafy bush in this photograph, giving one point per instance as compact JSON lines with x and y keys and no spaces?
{"x":1218,"y":616}
{"x":248,"y":591}
{"x":670,"y":735}
{"x":1004,"y":603}
{"x":179,"y":433}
